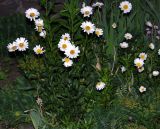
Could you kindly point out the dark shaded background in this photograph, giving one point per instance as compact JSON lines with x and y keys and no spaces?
{"x":9,"y":7}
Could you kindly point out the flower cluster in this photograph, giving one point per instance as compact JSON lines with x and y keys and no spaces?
{"x":69,"y":49}
{"x":127,"y":36}
{"x":88,"y":26}
{"x":33,"y":14}
{"x":20,"y":44}
{"x":139,"y":62}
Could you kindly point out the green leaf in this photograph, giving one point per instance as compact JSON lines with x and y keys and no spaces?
{"x":36,"y":119}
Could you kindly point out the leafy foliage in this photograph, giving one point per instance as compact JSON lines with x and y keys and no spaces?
{"x":70,"y":99}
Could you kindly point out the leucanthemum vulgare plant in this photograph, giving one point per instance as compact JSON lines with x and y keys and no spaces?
{"x":92,"y":65}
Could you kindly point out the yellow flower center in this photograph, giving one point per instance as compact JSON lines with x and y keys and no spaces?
{"x":39,"y":29}
{"x":39,"y":51}
{"x":14,"y":48}
{"x":87,"y":28}
{"x":97,"y":33}
{"x":86,"y":13}
{"x":65,"y":38}
{"x":64,"y":46}
{"x":21,"y":45}
{"x":138,"y":65}
{"x":72,"y":52}
{"x":142,"y":57}
{"x":32,"y":14}
{"x":125,"y":7}
{"x":66,"y":60}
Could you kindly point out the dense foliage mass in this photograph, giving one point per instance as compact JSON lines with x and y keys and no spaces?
{"x":92,"y":65}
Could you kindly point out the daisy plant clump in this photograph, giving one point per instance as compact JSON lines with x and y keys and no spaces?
{"x":33,"y":15}
{"x":70,"y":50}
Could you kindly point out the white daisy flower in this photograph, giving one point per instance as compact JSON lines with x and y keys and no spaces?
{"x":155,"y":73}
{"x":87,"y":11}
{"x":151,"y":46}
{"x":97,"y":4}
{"x":38,"y":50}
{"x":42,"y":34}
{"x":22,"y":44}
{"x":100,"y":85}
{"x":98,"y":32}
{"x":149,"y":24}
{"x":123,"y":69}
{"x":124,"y":45}
{"x":66,"y":36}
{"x":128,"y":36}
{"x":67,"y":62}
{"x":141,"y":69}
{"x":143,"y":56}
{"x":125,"y":6}
{"x":72,"y":51}
{"x":39,"y":25}
{"x":88,"y":27}
{"x":114,"y":25}
{"x":138,"y":62}
{"x":64,"y":44}
{"x":32,"y":13}
{"x":12,"y":47}
{"x":142,"y":89}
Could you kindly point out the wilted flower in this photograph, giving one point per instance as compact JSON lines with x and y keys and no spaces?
{"x":88,"y":27}
{"x":123,"y":69}
{"x":155,"y":73}
{"x":125,"y":6}
{"x":97,"y":4}
{"x":114,"y":25}
{"x":32,"y":13}
{"x":155,"y":27}
{"x":87,"y":11}
{"x":149,"y":24}
{"x":157,"y":37}
{"x":39,"y":25}
{"x":12,"y":47}
{"x":151,"y":46}
{"x":128,"y":36}
{"x":142,"y":89}
{"x":99,"y":32}
{"x":159,"y":52}
{"x":22,"y":44}
{"x":39,"y":101}
{"x":100,"y":85}
{"x":67,"y":62}
{"x":38,"y":50}
{"x":141,"y":69}
{"x":124,"y":45}
{"x":43,"y":34}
